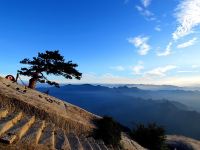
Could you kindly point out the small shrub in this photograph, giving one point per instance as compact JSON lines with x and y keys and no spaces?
{"x":108,"y":130}
{"x":151,"y":136}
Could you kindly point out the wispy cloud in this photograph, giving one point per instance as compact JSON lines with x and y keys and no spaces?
{"x":106,"y":78}
{"x":138,"y":68}
{"x":188,"y":43}
{"x":190,"y":69}
{"x":143,"y":10}
{"x":118,"y":68}
{"x":141,"y":43}
{"x":187,"y":71}
{"x":195,"y":66}
{"x":157,"y":28}
{"x":167,"y":50}
{"x":146,"y":3}
{"x":188,"y":17}
{"x":160,"y":71}
{"x":114,"y":79}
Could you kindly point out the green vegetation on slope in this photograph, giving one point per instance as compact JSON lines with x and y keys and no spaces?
{"x":108,"y":130}
{"x":151,"y":136}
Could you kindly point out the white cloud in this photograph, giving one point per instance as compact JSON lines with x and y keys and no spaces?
{"x":118,"y":68}
{"x":146,"y":3}
{"x":141,"y":43}
{"x":188,"y":71}
{"x":195,"y":66}
{"x":113,"y":79}
{"x":183,"y":81}
{"x":191,"y":69}
{"x":143,"y":9}
{"x":160,"y":71}
{"x":167,"y":51}
{"x":188,"y":43}
{"x":139,"y":8}
{"x":106,"y":78}
{"x":138,"y":68}
{"x":157,"y":28}
{"x":188,"y":17}
{"x":146,"y":13}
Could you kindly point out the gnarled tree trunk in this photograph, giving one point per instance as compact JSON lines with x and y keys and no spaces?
{"x":32,"y":83}
{"x":33,"y":80}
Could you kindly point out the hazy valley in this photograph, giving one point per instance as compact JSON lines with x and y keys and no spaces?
{"x":175,"y":109}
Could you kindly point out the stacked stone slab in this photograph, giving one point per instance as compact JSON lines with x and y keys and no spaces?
{"x":17,"y":128}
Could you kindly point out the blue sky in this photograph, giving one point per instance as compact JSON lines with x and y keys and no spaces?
{"x":113,"y":41}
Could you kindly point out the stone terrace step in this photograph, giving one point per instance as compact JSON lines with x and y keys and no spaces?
{"x":18,"y":130}
{"x":10,"y":121}
{"x":47,"y":138}
{"x":35,"y":132}
{"x":74,"y":142}
{"x":61,"y":141}
{"x":86,"y":145}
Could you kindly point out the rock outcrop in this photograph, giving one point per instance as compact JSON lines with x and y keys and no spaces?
{"x":33,"y":120}
{"x":182,"y":143}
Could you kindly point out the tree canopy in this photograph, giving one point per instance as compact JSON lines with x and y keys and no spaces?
{"x":151,"y":136}
{"x":48,"y":63}
{"x":108,"y":130}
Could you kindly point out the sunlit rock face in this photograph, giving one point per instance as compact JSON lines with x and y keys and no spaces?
{"x":33,"y":120}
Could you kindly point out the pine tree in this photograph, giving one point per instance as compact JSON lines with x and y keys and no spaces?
{"x":48,"y":63}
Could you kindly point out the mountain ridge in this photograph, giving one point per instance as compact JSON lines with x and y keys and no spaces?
{"x":131,"y":102}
